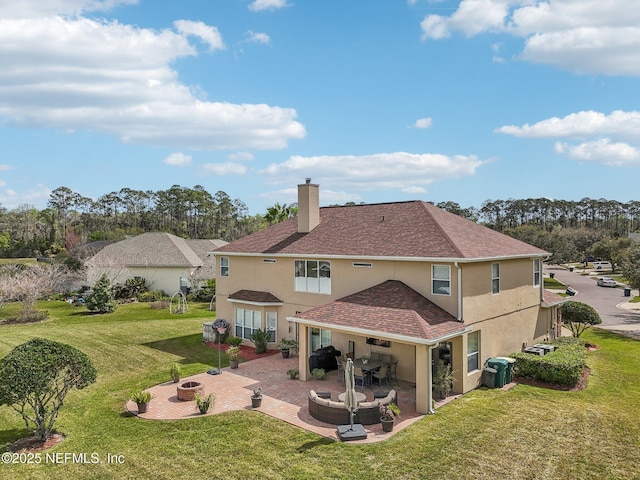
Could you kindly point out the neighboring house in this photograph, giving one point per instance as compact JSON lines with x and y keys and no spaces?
{"x":166,"y":262}
{"x":406,"y":279}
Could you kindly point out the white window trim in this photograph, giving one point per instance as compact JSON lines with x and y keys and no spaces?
{"x":222,"y":261}
{"x":323,"y":286}
{"x":477,"y":352}
{"x":433,"y":279}
{"x":253,"y":313}
{"x":494,"y":278}
{"x":537,"y":271}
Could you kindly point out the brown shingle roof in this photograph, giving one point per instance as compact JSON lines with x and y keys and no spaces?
{"x":390,"y":307}
{"x":402,"y":229}
{"x":551,"y":299}
{"x":254,"y":296}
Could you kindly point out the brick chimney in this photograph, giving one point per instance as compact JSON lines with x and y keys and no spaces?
{"x":308,"y":206}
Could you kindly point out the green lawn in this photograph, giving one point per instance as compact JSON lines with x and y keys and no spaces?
{"x":525,"y":432}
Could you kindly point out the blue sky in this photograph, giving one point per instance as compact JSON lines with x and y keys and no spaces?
{"x":374,"y":100}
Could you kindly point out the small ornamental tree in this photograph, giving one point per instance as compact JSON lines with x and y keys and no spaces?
{"x":103,"y":298}
{"x":35,"y":378}
{"x":579,"y":316}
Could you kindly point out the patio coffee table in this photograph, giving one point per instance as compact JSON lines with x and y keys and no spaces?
{"x":360,"y":397}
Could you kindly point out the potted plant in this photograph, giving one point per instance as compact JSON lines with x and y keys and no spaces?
{"x":442,"y":380}
{"x":203,"y":404}
{"x":365,"y":359}
{"x":389,"y":413}
{"x":232,"y":354}
{"x":256,"y":398}
{"x":142,"y":398}
{"x":176,"y":371}
{"x":318,"y":373}
{"x":293,"y":373}
{"x":285,"y":346}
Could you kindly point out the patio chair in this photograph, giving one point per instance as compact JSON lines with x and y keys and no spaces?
{"x":376,"y":357}
{"x":391,"y":372}
{"x":381,"y":375}
{"x":360,"y":375}
{"x":386,"y":359}
{"x":341,"y":371}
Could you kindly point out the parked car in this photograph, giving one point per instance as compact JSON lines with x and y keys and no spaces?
{"x":606,"y":282}
{"x":602,"y":265}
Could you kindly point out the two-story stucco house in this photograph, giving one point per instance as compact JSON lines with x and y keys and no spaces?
{"x":406,"y":279}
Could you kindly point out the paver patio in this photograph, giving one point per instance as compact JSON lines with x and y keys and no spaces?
{"x":283,"y":398}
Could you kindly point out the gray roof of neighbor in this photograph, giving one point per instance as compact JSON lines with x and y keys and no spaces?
{"x":159,"y":249}
{"x":401,"y":229}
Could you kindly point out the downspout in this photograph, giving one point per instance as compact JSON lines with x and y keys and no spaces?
{"x":459,"y":316}
{"x":430,"y":409}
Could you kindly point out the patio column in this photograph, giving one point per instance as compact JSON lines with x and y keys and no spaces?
{"x":423,"y":379}
{"x":303,"y":353}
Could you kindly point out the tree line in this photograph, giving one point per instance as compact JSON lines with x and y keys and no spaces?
{"x":71,"y":219}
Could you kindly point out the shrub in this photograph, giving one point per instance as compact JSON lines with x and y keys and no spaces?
{"x":318,"y":373}
{"x":234,"y":341}
{"x":260,"y":338}
{"x":131,"y":288}
{"x":562,"y":367}
{"x":152,"y":296}
{"x":579,"y":316}
{"x":35,"y":378}
{"x":102,"y":300}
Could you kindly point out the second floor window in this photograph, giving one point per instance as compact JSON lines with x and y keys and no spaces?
{"x":495,"y":278}
{"x":224,"y":266}
{"x":536,"y":272}
{"x":441,"y":279}
{"x":313,"y":276}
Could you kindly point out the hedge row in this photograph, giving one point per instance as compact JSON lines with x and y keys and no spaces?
{"x":563,"y":367}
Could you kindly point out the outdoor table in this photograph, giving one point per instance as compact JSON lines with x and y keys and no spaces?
{"x":360,"y":397}
{"x":367,"y":367}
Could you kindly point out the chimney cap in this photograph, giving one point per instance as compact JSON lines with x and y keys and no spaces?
{"x":307,"y":180}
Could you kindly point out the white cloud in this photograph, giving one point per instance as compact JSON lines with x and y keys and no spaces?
{"x":581,"y":124}
{"x":380,"y":171}
{"x":225,"y":168}
{"x":35,"y":196}
{"x":241,"y":157}
{"x":607,"y":137}
{"x":178,"y":160}
{"x":210,"y":35}
{"x":327,"y":196}
{"x":3,"y":183}
{"x":260,"y":5}
{"x":585,"y":36}
{"x":257,"y":37}
{"x":423,"y":123}
{"x":40,"y":8}
{"x":603,"y":151}
{"x":83,"y":74}
{"x":5,"y":167}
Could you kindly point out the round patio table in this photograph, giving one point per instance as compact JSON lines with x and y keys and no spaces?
{"x":360,"y":397}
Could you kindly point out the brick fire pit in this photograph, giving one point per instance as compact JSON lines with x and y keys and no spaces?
{"x":187,"y":391}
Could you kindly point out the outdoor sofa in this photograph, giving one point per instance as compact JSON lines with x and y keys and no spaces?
{"x":335,"y":413}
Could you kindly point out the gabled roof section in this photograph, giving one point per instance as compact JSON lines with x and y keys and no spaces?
{"x":552,"y":299}
{"x":147,"y":250}
{"x":388,"y":308}
{"x":413,"y":229}
{"x":254,"y":296}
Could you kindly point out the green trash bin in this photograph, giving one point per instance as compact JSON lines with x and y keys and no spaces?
{"x":501,"y":367}
{"x":510,"y":367}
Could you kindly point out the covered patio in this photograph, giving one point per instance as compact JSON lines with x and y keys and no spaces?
{"x":409,"y":324}
{"x":283,"y":398}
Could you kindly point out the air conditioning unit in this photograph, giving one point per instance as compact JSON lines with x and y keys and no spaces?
{"x":545,"y":347}
{"x":534,"y":351}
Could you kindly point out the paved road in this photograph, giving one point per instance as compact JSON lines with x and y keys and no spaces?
{"x":604,"y":300}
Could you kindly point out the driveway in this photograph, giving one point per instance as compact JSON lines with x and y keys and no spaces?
{"x":607,"y":301}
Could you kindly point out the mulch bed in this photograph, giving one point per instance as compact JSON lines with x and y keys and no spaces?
{"x":247,"y":352}
{"x":34,"y":444}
